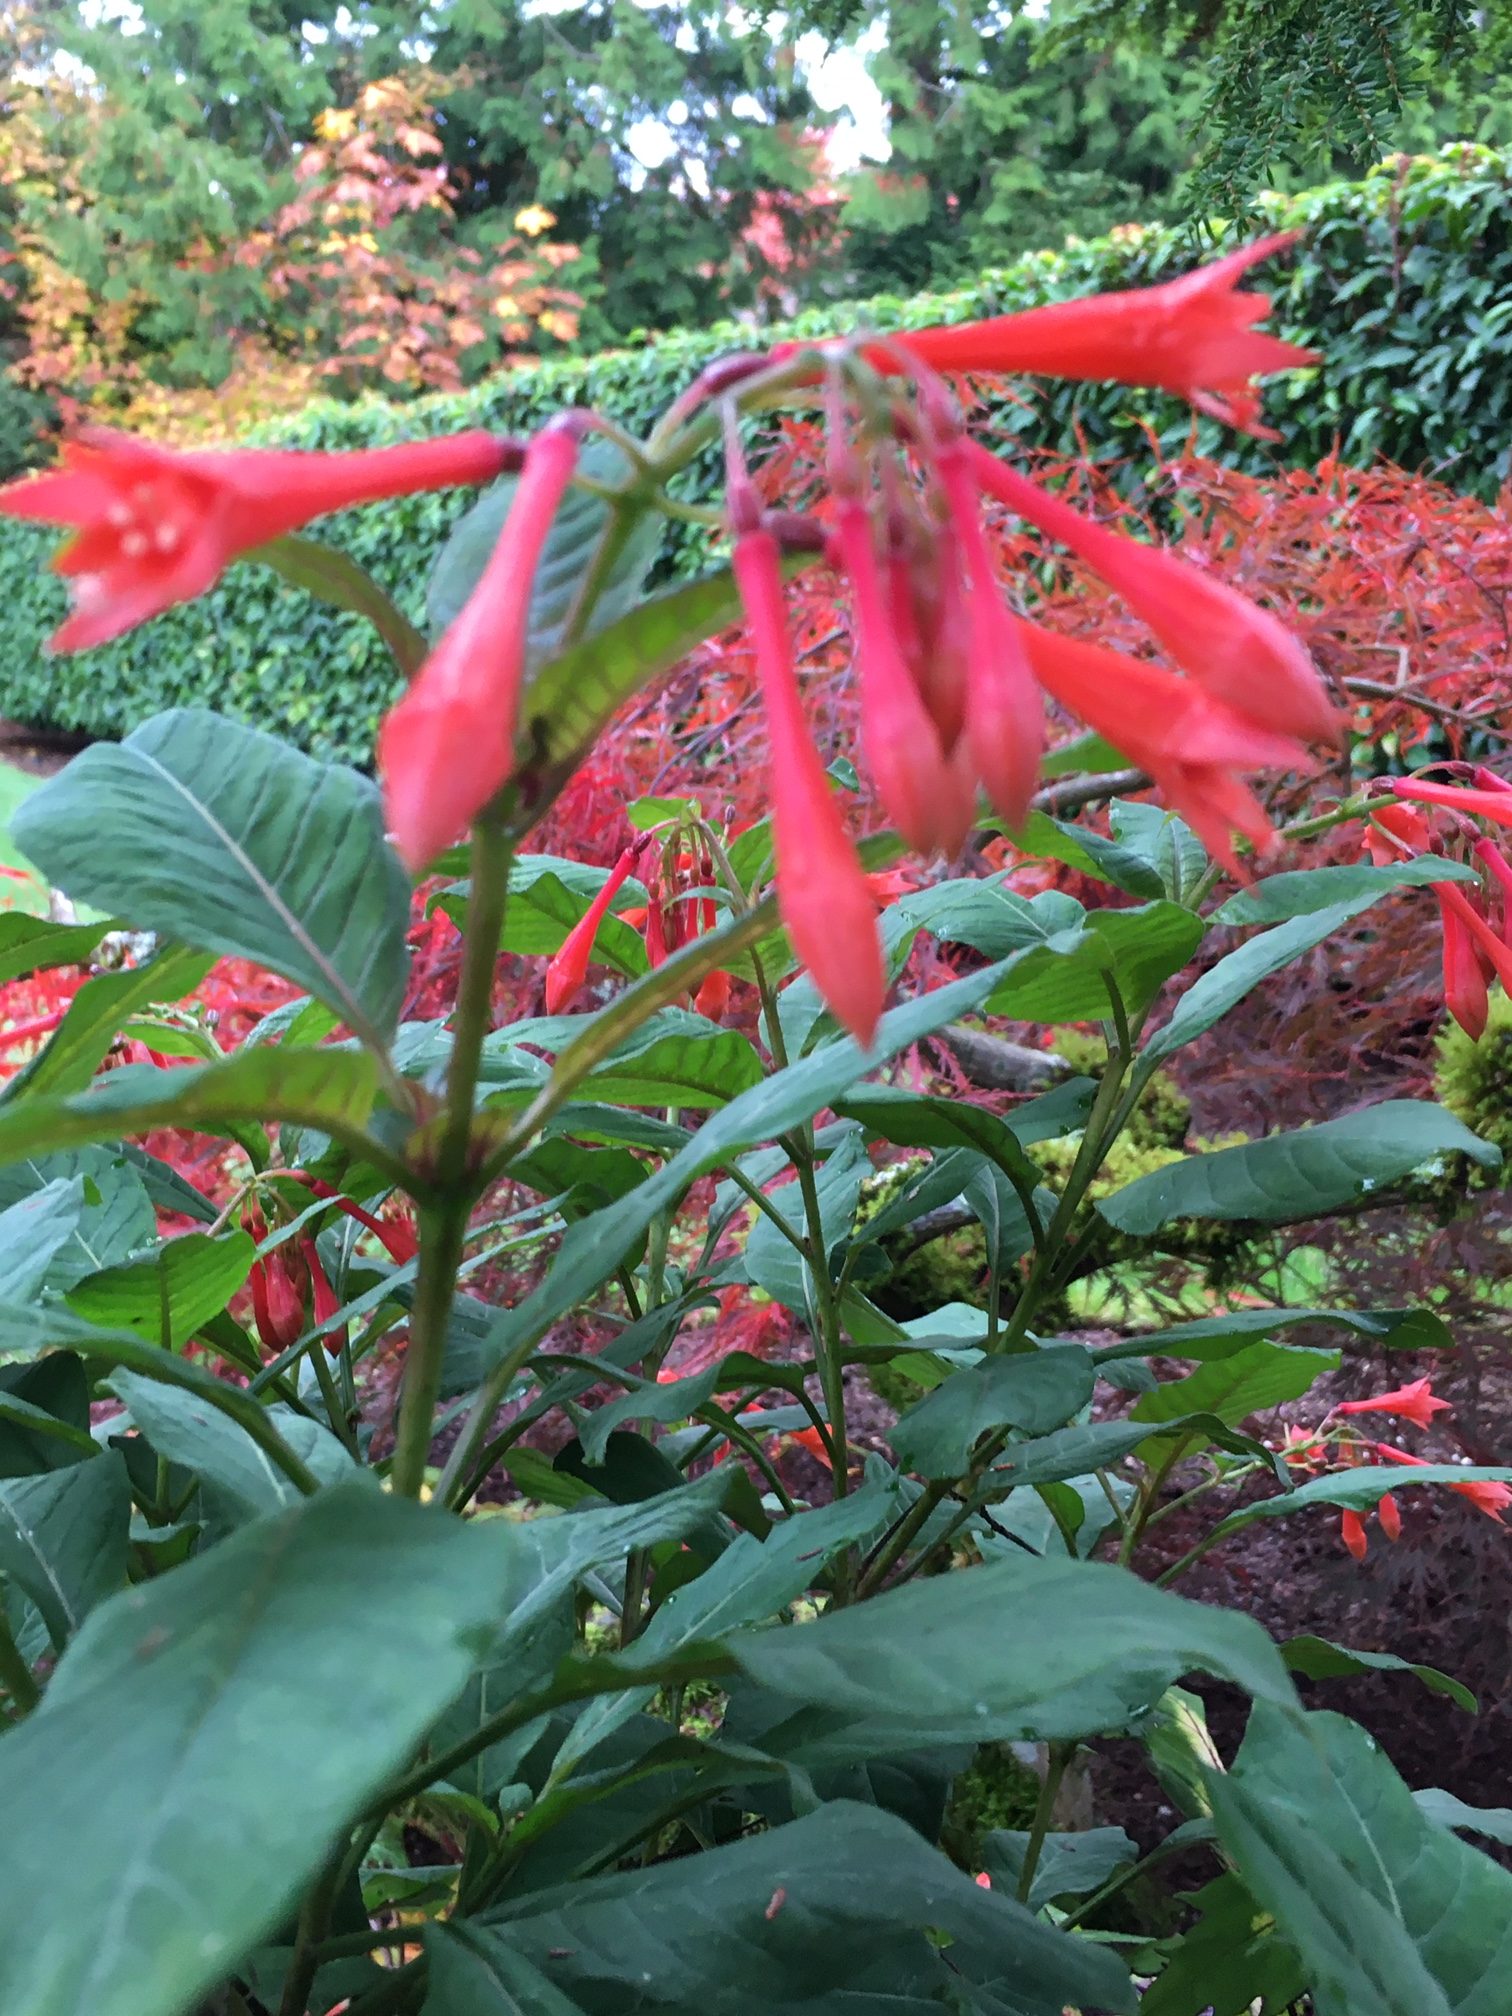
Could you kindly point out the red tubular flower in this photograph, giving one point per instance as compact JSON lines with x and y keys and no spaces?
{"x":917,"y":786}
{"x":657,"y":948}
{"x":823,"y":894}
{"x":1496,"y":864}
{"x":1005,"y":715}
{"x":324,"y":1297}
{"x":1190,"y":743}
{"x":569,"y":967}
{"x":1195,"y":336}
{"x":447,"y":748}
{"x":1465,"y":991}
{"x":1395,"y":831}
{"x":713,"y":997}
{"x":1237,"y":651}
{"x":397,"y":1237}
{"x":1484,"y":1493}
{"x":1352,"y":1533}
{"x":1416,"y":1402}
{"x":1390,"y":1517}
{"x":1495,"y":805}
{"x":1454,"y":903}
{"x":158,"y":526}
{"x":277,"y":1302}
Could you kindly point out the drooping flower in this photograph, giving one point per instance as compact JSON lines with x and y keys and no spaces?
{"x":1352,"y":1532}
{"x":1004,"y":714}
{"x":277,"y":1302}
{"x":916,"y":783}
{"x":324,"y":1297}
{"x":1474,"y":951}
{"x":1416,"y":1402}
{"x":156,"y":526}
{"x":1389,"y":1514}
{"x":1195,"y":336}
{"x":1237,"y":651}
{"x":822,"y":891}
{"x":397,"y":1236}
{"x":568,"y":968}
{"x":447,"y":748}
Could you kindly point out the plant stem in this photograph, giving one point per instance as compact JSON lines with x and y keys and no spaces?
{"x":443,"y":1222}
{"x":314,"y":1923}
{"x":1058,"y":1757}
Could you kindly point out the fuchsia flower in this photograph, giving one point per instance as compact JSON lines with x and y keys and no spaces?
{"x":1416,"y":1403}
{"x":1484,"y":1493}
{"x":822,"y":890}
{"x":1352,"y":1531}
{"x":569,"y":965}
{"x":1475,"y":950}
{"x":155,"y":526}
{"x":448,"y":747}
{"x":1195,"y":336}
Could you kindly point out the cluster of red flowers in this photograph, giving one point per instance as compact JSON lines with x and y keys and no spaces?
{"x":680,"y":906}
{"x":951,"y":677}
{"x":1477,"y":920}
{"x":291,"y":1291}
{"x":1416,"y":1402}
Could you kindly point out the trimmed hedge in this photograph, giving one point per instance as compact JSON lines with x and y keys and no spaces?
{"x":1404,"y":282}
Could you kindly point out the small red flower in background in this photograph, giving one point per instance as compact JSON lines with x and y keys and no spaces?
{"x":156,"y":526}
{"x":1483,"y":1492}
{"x":569,"y":965}
{"x":1416,"y":1403}
{"x":1390,"y":1518}
{"x":1475,"y":950}
{"x":447,"y":748}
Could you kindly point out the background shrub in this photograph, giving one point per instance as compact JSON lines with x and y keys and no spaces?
{"x":1403,"y":282}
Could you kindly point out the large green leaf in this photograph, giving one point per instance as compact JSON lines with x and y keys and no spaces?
{"x":233,"y":842}
{"x":1231,"y":1962}
{"x":1390,"y":1914}
{"x":1023,"y":1649}
{"x":1247,"y":1382}
{"x":336,"y":579}
{"x":244,"y":1481}
{"x":1213,"y":1337}
{"x":342,"y":1626}
{"x":97,"y":1014}
{"x":1090,"y":853}
{"x":1035,"y":1391}
{"x":332,"y":1090}
{"x":63,"y":1541}
{"x":116,"y":1217}
{"x":1321,"y":1659}
{"x":1166,"y":842}
{"x":1067,"y":979}
{"x":1361,"y":1488}
{"x":795,"y":1916}
{"x":912,"y":1120}
{"x":44,"y":1409}
{"x":471,"y":1974}
{"x":773,"y":1263}
{"x":33,"y":1231}
{"x":677,"y":1058}
{"x":167,"y":1293}
{"x":1069,"y":1865}
{"x":1284,"y":1178}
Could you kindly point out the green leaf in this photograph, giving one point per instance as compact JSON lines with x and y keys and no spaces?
{"x":1231,"y":1962}
{"x":166,"y":1294}
{"x":912,"y":1120}
{"x":33,"y":1232}
{"x":1212,"y":994}
{"x":1305,"y":891}
{"x":1089,"y":853}
{"x":572,"y":697}
{"x":234,"y":843}
{"x":1166,"y":842}
{"x":1077,"y":1451}
{"x":1035,"y":1391}
{"x":792,"y":1917}
{"x":136,"y":1770}
{"x":473,"y":1975}
{"x":331,"y":1090}
{"x":1361,"y":1488}
{"x":1069,"y":1865}
{"x":1494,"y":1822}
{"x":1088,"y":752}
{"x":115,"y":1219}
{"x":1247,"y":1382}
{"x":34,"y":944}
{"x":547,"y":897}
{"x":1321,"y":1659}
{"x":63,"y":1541}
{"x":336,"y":579}
{"x":578,"y":530}
{"x":1302,"y":1174}
{"x":1091,"y":1646}
{"x":676,"y":1058}
{"x":45,"y":1408}
{"x":246,"y":1482}
{"x":1066,"y":980}
{"x":96,"y":1015}
{"x":1390,"y":1914}
{"x":1213,"y":1337}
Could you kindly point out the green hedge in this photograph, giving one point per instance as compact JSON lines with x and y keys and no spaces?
{"x":1404,"y":282}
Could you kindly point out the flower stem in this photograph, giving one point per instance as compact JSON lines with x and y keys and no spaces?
{"x":443,"y":1221}
{"x":15,"y":1674}
{"x":1055,"y":1769}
